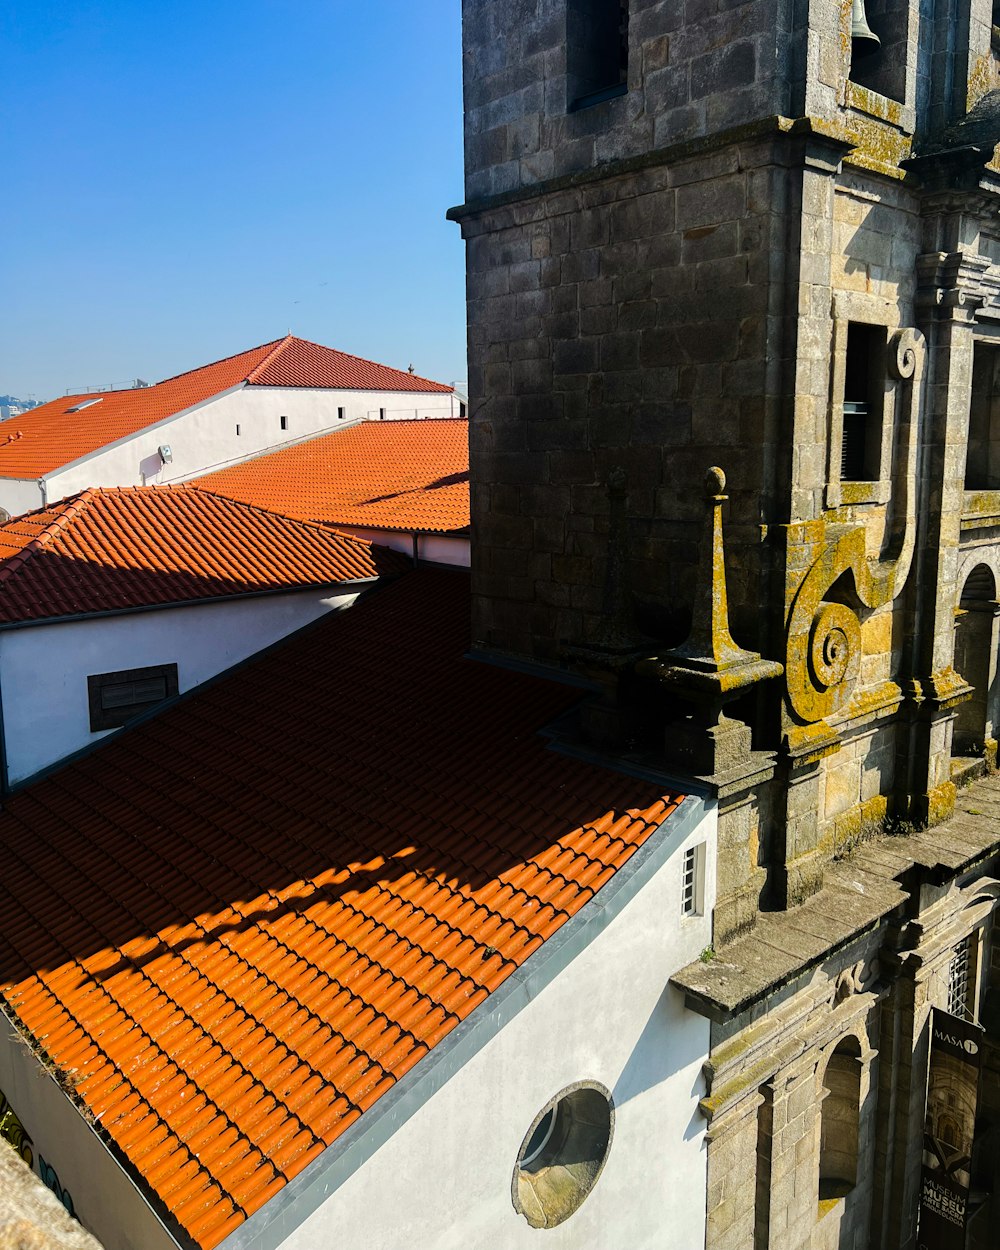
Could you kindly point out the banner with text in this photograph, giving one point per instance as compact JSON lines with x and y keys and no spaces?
{"x":949,"y":1126}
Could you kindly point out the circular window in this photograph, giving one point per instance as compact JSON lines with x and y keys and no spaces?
{"x":562,"y":1154}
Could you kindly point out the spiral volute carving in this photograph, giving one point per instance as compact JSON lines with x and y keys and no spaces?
{"x":906,"y":353}
{"x":834,"y":655}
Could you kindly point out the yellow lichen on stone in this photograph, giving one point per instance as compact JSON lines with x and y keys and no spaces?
{"x":941,"y":803}
{"x":982,"y":78}
{"x":879,"y":144}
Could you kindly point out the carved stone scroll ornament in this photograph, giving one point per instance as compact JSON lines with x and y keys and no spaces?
{"x":824,"y":637}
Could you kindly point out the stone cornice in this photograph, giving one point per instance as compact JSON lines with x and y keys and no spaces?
{"x":956,"y":285}
{"x":822,"y":151}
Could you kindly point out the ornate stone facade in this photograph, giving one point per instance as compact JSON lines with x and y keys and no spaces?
{"x":772,"y":248}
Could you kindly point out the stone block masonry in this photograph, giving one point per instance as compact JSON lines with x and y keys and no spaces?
{"x":620,"y":324}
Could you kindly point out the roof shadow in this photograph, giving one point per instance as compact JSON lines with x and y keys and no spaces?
{"x":363,"y":755}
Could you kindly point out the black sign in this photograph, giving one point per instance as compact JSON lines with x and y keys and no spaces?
{"x":949,"y":1127}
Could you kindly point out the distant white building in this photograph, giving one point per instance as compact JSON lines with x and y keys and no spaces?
{"x":266,"y":397}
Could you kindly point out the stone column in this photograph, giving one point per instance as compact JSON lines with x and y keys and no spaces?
{"x":732,"y":1177}
{"x":948,"y":295}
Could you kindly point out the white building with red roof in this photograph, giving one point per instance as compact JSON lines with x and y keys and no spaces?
{"x":116,"y":600}
{"x":401,"y":484}
{"x":267,"y":397}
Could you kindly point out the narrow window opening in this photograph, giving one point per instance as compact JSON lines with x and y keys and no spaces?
{"x":692,"y":881}
{"x":284,"y":423}
{"x":341,"y":413}
{"x":982,"y":456}
{"x":864,"y":388}
{"x":381,"y":414}
{"x":596,"y":51}
{"x":462,"y":411}
{"x":237,"y":430}
{"x":765,"y":1148}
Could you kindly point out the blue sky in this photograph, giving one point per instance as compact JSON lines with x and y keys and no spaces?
{"x":185,"y":180}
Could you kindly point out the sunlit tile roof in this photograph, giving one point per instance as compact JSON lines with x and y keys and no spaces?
{"x":400,"y":475}
{"x":50,"y":436}
{"x":137,"y":546}
{"x":237,"y":925}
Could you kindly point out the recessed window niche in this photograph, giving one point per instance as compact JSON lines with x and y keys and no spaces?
{"x":982,"y":459}
{"x":596,"y":51}
{"x":864,"y":397}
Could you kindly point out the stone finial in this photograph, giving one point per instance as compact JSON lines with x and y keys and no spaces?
{"x":709,"y":661}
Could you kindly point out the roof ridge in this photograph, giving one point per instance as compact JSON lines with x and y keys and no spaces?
{"x":365,"y":361}
{"x":376,"y":364}
{"x":51,"y":531}
{"x":221,"y":361}
{"x":273,"y":354}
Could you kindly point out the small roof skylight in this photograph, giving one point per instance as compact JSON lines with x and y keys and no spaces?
{"x":85,"y":403}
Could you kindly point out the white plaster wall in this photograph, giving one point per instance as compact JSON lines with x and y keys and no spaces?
{"x":105,"y":1199}
{"x":18,"y":496}
{"x":44,"y":668}
{"x":436,"y":548}
{"x":204,"y":438}
{"x":443,"y":1181}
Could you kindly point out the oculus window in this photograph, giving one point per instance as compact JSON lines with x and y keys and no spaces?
{"x":562,"y":1154}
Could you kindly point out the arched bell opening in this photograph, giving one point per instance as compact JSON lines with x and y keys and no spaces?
{"x":976,"y":660}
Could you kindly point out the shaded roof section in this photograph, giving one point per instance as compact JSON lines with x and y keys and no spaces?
{"x":401,"y":475}
{"x":115,"y":548}
{"x":50,"y":436}
{"x":240,"y":923}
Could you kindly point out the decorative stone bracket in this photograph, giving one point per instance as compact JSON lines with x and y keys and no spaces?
{"x":957,"y":285}
{"x":823,"y":658}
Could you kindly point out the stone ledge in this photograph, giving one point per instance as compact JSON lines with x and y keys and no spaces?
{"x":31,"y":1217}
{"x":858,"y":893}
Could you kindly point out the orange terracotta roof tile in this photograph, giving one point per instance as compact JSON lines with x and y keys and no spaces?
{"x":240,"y":923}
{"x":125,"y":547}
{"x":399,"y":475}
{"x":52,"y":435}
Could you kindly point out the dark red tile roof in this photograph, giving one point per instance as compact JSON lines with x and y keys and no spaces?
{"x":52,"y":435}
{"x":399,"y":475}
{"x":137,"y":546}
{"x":238,"y":924}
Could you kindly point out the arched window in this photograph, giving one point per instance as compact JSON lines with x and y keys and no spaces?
{"x":975,"y":660}
{"x":841,"y":1117}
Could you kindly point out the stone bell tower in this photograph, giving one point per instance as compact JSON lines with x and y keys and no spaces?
{"x":712,"y":240}
{"x":761,"y":237}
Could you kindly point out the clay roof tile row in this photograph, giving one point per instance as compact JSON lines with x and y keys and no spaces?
{"x":241,"y":922}
{"x":392,"y":475}
{"x":138,"y":546}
